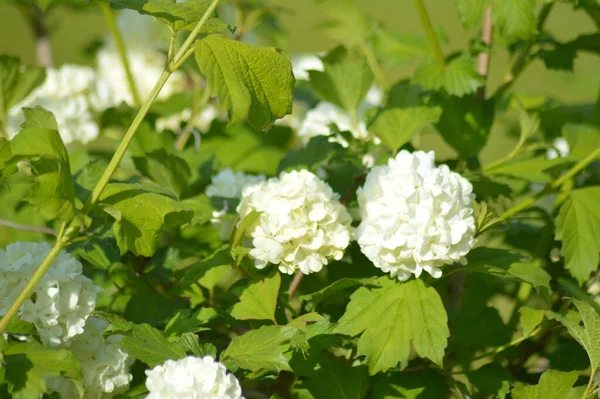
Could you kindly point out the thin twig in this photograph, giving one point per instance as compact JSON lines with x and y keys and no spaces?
{"x":294,"y":284}
{"x":25,"y":227}
{"x":43,"y":49}
{"x":483,"y":61}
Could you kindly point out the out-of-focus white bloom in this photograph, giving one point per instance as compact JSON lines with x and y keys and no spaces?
{"x":192,"y":378}
{"x":302,"y":63}
{"x":302,"y":224}
{"x":228,"y":184}
{"x":318,"y":121}
{"x":202,"y":121}
{"x":144,"y":39}
{"x":74,"y":95}
{"x":415,"y":216}
{"x":61,"y":302}
{"x":104,"y":363}
{"x":560,"y":148}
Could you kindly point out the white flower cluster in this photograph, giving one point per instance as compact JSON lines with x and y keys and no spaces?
{"x":74,"y":95}
{"x":415,"y":216}
{"x":192,"y":378}
{"x":104,"y":363}
{"x":302,"y":224}
{"x":318,"y":121}
{"x":140,"y":34}
{"x":61,"y":302}
{"x":228,"y":184}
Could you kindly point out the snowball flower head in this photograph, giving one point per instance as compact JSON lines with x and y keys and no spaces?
{"x":319,"y":119}
{"x":192,"y":378}
{"x":104,"y":363}
{"x":74,"y":95}
{"x":415,"y":216}
{"x":228,"y":184}
{"x":302,"y":224}
{"x":61,"y":302}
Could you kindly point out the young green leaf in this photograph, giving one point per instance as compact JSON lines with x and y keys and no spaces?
{"x":396,"y":126}
{"x":346,"y":22}
{"x":178,"y":15}
{"x":335,"y":287}
{"x":530,"y":319}
{"x":345,"y":80}
{"x":400,"y":47}
{"x":578,"y":227}
{"x":16,"y":82}
{"x":260,"y":349}
{"x":552,"y":385}
{"x":251,"y":82}
{"x":515,"y":19}
{"x":53,"y":192}
{"x":142,"y":212}
{"x":458,"y":76}
{"x":471,"y":11}
{"x":165,"y":169}
{"x":150,"y":346}
{"x":534,"y":169}
{"x":582,"y":139}
{"x":191,"y":343}
{"x":259,"y":300}
{"x":392,"y":318}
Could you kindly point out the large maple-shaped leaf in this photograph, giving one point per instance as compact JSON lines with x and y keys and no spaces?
{"x":393,"y":317}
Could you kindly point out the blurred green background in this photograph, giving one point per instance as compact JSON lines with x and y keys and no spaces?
{"x":73,"y":31}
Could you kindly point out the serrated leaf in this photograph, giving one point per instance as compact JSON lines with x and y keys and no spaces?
{"x":335,"y":287}
{"x":584,"y":326}
{"x":346,"y":23}
{"x":464,"y":127}
{"x":530,"y":319}
{"x":16,"y":81}
{"x":142,"y":212}
{"x":188,"y":321}
{"x":191,"y":343}
{"x":259,"y":300}
{"x":471,"y":11}
{"x":396,"y":126}
{"x":150,"y":346}
{"x":260,"y":349}
{"x":531,"y":169}
{"x":458,"y":76}
{"x":165,"y":169}
{"x":515,"y":19}
{"x":254,"y":83}
{"x":552,"y":385}
{"x":345,"y":80}
{"x":392,"y":318}
{"x":399,"y":47}
{"x":337,"y":379}
{"x":53,"y":192}
{"x":582,"y":139}
{"x":178,"y":15}
{"x":578,"y":227}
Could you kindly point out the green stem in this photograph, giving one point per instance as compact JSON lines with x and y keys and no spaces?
{"x":597,"y":109}
{"x":375,"y":67}
{"x":3,"y":112}
{"x":523,"y":58}
{"x":431,"y":36}
{"x":578,"y":167}
{"x":35,"y":279}
{"x":109,"y":16}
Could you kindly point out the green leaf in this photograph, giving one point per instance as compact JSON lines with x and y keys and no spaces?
{"x":471,"y":11}
{"x":392,"y":318}
{"x":490,"y":378}
{"x":53,"y":192}
{"x":17,"y":81}
{"x":345,"y":79}
{"x":399,"y":47}
{"x":317,"y":152}
{"x":505,"y":263}
{"x":584,"y":326}
{"x":336,"y":379}
{"x":552,"y":385}
{"x":578,"y":227}
{"x":464,"y":127}
{"x":259,"y":300}
{"x":346,"y":23}
{"x":142,"y":213}
{"x":530,"y":319}
{"x":458,"y":76}
{"x":251,"y":82}
{"x":582,"y":139}
{"x":534,"y":169}
{"x":515,"y":19}
{"x":202,"y":207}
{"x":261,"y":349}
{"x":167,"y":170}
{"x":187,"y":321}
{"x":149,"y":345}
{"x":191,"y":343}
{"x":423,"y":384}
{"x":335,"y":287}
{"x":396,"y":126}
{"x":178,"y":15}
